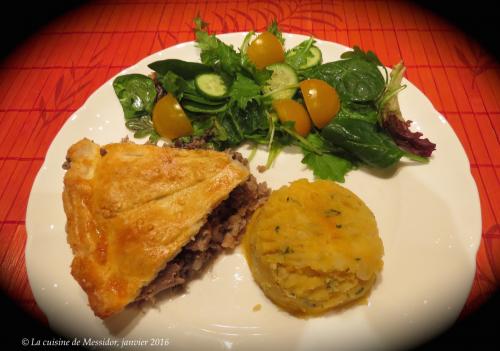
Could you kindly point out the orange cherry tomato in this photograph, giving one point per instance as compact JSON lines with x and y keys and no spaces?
{"x":291,"y":110}
{"x":265,"y":50}
{"x":322,"y":101}
{"x":169,"y":119}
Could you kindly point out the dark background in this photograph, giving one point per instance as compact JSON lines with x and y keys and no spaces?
{"x":479,"y":19}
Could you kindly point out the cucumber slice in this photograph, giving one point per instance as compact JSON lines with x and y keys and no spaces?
{"x":192,"y":106}
{"x":283,"y":76}
{"x":200,"y":99}
{"x":211,"y":85}
{"x":313,"y":60}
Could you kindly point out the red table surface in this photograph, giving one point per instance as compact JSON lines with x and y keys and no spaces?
{"x":51,"y":75}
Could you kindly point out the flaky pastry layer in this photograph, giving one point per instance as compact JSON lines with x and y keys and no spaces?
{"x":131,"y":208}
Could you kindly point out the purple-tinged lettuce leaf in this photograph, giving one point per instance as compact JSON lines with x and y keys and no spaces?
{"x":392,"y":120}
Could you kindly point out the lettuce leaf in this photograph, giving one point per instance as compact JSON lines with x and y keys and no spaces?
{"x":391,"y":119}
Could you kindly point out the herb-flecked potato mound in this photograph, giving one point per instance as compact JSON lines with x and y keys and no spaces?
{"x":313,"y":246}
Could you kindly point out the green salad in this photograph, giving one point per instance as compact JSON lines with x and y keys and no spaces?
{"x":341,"y":114}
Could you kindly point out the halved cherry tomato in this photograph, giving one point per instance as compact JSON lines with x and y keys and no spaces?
{"x":291,"y":110}
{"x":265,"y":50}
{"x":169,"y":119}
{"x":322,"y":101}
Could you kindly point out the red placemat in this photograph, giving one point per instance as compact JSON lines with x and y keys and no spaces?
{"x":51,"y":75}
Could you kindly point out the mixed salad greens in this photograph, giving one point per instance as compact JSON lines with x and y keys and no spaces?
{"x":341,"y":113}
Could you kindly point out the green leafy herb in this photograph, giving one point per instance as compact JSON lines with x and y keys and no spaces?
{"x":355,"y":79}
{"x":202,"y":126}
{"x":357,"y":52}
{"x":136,"y":93}
{"x":173,"y":84}
{"x":260,"y":76}
{"x":200,"y":99}
{"x":143,"y":127}
{"x":325,"y":165}
{"x":246,"y":42}
{"x":243,"y":91}
{"x":229,"y":130}
{"x":196,"y":107}
{"x":369,"y":128}
{"x":297,"y":57}
{"x":363,"y":111}
{"x":363,"y":140}
{"x":214,"y":52}
{"x":273,"y":152}
{"x":253,"y":121}
{"x":184,"y":69}
{"x":368,"y":56}
{"x":274,"y":29}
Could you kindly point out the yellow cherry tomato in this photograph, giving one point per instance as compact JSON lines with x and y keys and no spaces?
{"x":169,"y":119}
{"x":291,"y":110}
{"x":265,"y":50}
{"x":322,"y":101}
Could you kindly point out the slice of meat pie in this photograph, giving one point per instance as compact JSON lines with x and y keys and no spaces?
{"x":142,"y":218}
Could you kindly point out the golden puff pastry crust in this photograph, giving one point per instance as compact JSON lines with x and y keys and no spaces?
{"x":131,"y":208}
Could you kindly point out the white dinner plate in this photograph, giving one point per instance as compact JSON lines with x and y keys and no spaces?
{"x":428,"y":216}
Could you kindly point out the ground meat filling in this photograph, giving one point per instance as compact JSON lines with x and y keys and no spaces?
{"x":222,"y":231}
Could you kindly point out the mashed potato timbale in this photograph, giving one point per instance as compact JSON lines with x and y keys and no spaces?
{"x":313,"y":246}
